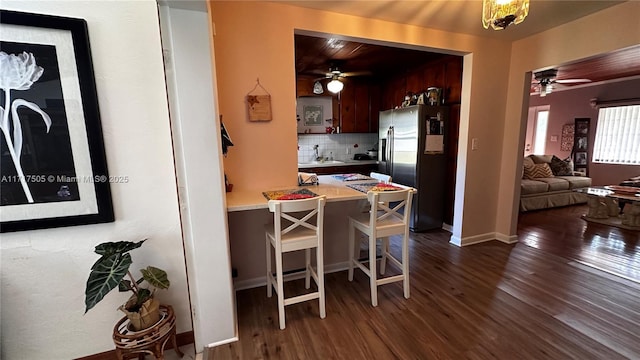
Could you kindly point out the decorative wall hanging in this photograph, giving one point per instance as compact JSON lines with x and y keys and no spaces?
{"x":259,"y":105}
{"x":54,"y":170}
{"x":567,"y":137}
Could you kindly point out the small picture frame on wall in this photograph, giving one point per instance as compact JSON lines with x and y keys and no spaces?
{"x":582,"y":127}
{"x":313,"y":115}
{"x":581,"y":158}
{"x":581,"y":143}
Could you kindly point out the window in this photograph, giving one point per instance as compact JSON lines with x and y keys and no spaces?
{"x":540,"y":134}
{"x":618,"y":135}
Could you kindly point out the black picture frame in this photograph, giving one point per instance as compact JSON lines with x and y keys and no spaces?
{"x":581,"y":158}
{"x":581,"y":143}
{"x":56,"y":174}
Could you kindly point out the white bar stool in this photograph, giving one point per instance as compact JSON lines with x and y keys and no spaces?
{"x":381,"y":177}
{"x":298,"y":231}
{"x":381,"y":222}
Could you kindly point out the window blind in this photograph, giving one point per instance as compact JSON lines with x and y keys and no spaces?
{"x":618,"y":135}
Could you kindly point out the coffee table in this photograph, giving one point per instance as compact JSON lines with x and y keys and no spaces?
{"x":604,"y":206}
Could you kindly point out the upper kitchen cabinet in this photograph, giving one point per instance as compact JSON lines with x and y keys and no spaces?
{"x":304,"y":86}
{"x":444,"y":73}
{"x":359,"y":104}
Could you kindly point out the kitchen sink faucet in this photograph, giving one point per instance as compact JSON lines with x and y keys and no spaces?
{"x":315,"y":148}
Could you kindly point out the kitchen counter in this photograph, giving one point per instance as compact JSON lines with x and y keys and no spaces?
{"x":334,"y":189}
{"x":317,"y":164}
{"x":247,"y":213}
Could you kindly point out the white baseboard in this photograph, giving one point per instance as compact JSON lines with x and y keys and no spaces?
{"x":199,"y":356}
{"x":476,"y":239}
{"x":262,"y":281}
{"x":507,"y":239}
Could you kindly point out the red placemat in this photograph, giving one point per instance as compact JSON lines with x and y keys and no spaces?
{"x":292,"y":194}
{"x":374,"y":187}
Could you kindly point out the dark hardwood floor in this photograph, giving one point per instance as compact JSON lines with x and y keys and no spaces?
{"x":561,"y":232}
{"x":542,"y":298}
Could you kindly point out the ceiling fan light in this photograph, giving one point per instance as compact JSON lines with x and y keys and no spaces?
{"x":335,"y":86}
{"x":498,"y":14}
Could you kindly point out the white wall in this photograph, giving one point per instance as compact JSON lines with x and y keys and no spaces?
{"x":44,"y":272}
{"x":196,"y":134}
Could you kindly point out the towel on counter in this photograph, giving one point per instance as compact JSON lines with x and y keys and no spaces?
{"x":307,"y":178}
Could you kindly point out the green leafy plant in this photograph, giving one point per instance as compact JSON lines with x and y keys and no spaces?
{"x":109,"y":272}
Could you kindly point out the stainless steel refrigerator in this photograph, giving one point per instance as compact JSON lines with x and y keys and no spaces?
{"x":412,"y":150}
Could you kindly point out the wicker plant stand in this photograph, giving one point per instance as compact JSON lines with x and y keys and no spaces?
{"x":150,"y":341}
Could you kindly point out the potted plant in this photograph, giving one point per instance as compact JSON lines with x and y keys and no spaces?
{"x":109,"y":272}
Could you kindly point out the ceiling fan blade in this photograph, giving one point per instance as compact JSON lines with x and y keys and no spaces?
{"x":319,"y":72}
{"x":357,"y":73}
{"x":572,"y":81}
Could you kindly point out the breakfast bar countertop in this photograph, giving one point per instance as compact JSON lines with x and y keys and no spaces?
{"x":316,"y":164}
{"x":334,"y":189}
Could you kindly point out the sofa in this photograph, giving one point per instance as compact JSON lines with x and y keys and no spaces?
{"x":548,"y":181}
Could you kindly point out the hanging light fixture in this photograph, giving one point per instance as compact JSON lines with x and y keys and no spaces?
{"x":335,"y":85}
{"x":501,"y":13}
{"x":317,"y":88}
{"x":545,"y":87}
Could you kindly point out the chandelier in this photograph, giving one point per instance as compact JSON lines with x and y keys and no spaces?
{"x":501,"y":13}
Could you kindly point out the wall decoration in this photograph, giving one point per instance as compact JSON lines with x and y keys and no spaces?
{"x":259,"y":105}
{"x":581,"y":145}
{"x":581,"y":158}
{"x":567,"y":137}
{"x":53,"y":169}
{"x":313,"y":115}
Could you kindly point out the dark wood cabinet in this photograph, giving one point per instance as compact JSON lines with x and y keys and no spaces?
{"x":304,"y":86}
{"x":359,"y":104}
{"x":365,"y":169}
{"x":445,"y":73}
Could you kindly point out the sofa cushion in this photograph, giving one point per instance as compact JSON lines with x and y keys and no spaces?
{"x":576,"y":182}
{"x":555,"y":184}
{"x":537,"y":171}
{"x":527,"y":161}
{"x":561,"y":167}
{"x":541,"y":159}
{"x":533,"y":187}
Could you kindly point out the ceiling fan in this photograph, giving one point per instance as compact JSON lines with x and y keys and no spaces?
{"x":547,"y":80}
{"x":335,"y":85}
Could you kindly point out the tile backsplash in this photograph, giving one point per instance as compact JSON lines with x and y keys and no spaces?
{"x":340,"y":146}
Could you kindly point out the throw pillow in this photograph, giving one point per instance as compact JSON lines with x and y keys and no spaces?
{"x":561,"y":167}
{"x":540,"y":159}
{"x":537,"y":171}
{"x":528,"y":161}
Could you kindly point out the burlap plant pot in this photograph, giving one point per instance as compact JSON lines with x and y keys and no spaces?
{"x":148,"y":315}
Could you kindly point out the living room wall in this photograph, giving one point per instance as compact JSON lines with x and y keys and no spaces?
{"x":569,"y":104}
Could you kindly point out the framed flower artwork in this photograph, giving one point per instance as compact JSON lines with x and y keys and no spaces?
{"x":53,"y":169}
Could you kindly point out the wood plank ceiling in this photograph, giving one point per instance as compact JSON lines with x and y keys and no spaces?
{"x":315,"y":56}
